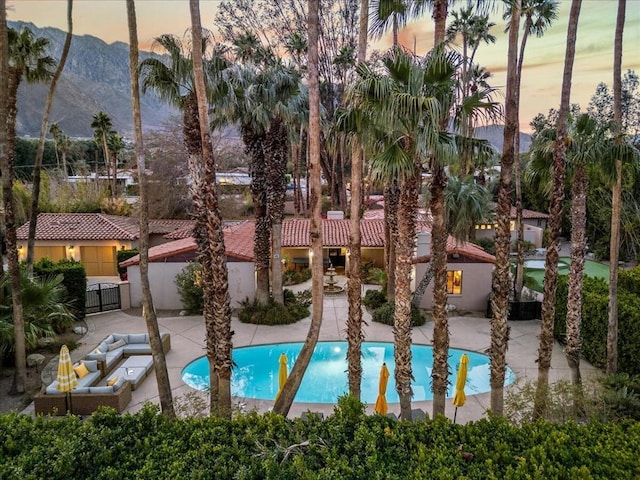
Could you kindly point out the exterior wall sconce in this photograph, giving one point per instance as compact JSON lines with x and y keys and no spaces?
{"x":71,"y":248}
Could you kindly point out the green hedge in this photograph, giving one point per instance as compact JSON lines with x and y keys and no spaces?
{"x":347,"y":445}
{"x":123,"y":255}
{"x":595,"y":318}
{"x":386,"y":314}
{"x":75,"y":281}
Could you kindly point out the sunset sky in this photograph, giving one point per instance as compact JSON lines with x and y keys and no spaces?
{"x":541,"y":79}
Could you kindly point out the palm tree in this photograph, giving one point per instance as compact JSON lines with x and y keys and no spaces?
{"x":284,"y":401}
{"x":219,"y":345}
{"x":101,"y":124}
{"x":616,"y":196}
{"x":555,"y":221}
{"x":35,"y":193}
{"x":26,"y":59}
{"x":355,"y":336}
{"x":159,"y":360}
{"x":405,"y":106}
{"x":116,"y":145}
{"x":538,"y":15}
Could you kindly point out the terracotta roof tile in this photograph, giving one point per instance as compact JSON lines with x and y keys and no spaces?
{"x":82,"y":226}
{"x":528,"y":213}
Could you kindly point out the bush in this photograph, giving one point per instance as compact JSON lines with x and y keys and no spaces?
{"x":74,"y":281}
{"x":123,"y":255}
{"x":291,"y":277}
{"x":488,"y":244}
{"x":349,"y":444}
{"x":595,"y":318}
{"x":190,"y":289}
{"x":385,"y":314}
{"x":374,"y":299}
{"x":295,"y":308}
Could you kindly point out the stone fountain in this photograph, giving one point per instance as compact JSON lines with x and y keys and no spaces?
{"x":331,"y":286}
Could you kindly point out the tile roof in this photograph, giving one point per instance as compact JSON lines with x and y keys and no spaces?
{"x":96,"y":226}
{"x":464,"y":249}
{"x":238,"y":240}
{"x":82,"y":226}
{"x":528,"y":213}
{"x":335,"y":233}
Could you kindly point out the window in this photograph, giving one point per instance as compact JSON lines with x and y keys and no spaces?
{"x":454,"y":282}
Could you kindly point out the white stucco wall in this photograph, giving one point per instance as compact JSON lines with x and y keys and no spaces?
{"x":476,"y":285}
{"x":165,"y":292}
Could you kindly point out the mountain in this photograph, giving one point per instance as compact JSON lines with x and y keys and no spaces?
{"x":95,"y":78}
{"x":494,"y":135}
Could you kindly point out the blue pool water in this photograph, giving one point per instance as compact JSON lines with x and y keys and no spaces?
{"x":255,"y":374}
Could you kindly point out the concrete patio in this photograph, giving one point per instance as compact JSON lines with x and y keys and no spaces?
{"x":188,"y":338}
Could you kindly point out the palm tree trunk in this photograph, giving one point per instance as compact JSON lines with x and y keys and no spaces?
{"x":159,"y":360}
{"x":7,"y":149}
{"x":284,"y":401}
{"x":391,"y":199}
{"x":422,"y":286}
{"x":440,"y":8}
{"x":576,"y":275}
{"x":402,"y":313}
{"x":440,"y":372}
{"x":254,"y":142}
{"x":35,"y":193}
{"x":355,"y":335}
{"x":555,"y":222}
{"x":616,"y":197}
{"x":221,"y":333}
{"x":501,"y":283}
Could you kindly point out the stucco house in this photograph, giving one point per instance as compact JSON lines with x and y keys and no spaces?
{"x":91,"y":238}
{"x":533,"y":224}
{"x":470,"y":267}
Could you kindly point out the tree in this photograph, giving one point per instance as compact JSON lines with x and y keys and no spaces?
{"x":555,"y":220}
{"x":355,"y":336}
{"x":614,"y":246}
{"x":62,"y":144}
{"x":26,"y":59}
{"x":116,"y":145}
{"x":159,"y":360}
{"x":538,"y":15}
{"x":101,"y":124}
{"x":285,"y":399}
{"x":219,"y":346}
{"x":35,"y":197}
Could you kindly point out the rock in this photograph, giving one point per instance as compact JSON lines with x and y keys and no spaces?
{"x":35,"y":360}
{"x":451,"y":307}
{"x":45,"y":341}
{"x":80,"y":330}
{"x":183,"y":313}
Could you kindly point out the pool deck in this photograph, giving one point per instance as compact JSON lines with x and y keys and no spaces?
{"x":188,"y":338}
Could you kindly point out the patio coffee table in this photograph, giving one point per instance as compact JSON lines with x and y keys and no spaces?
{"x":134,"y":369}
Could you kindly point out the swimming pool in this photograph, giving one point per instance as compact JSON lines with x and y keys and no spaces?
{"x":256,"y":372}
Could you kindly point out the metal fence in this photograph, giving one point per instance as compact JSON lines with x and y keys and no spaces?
{"x":102,"y":297}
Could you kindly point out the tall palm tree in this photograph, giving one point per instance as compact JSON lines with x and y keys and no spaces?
{"x":8,"y":174}
{"x":538,"y":16}
{"x":555,"y":220}
{"x":285,"y":399}
{"x":26,"y":60}
{"x":56,"y":131}
{"x":219,"y":345}
{"x":616,"y":196}
{"x":355,"y":335}
{"x":405,"y":105}
{"x":500,"y":281}
{"x":101,"y":124}
{"x":116,"y":145}
{"x":159,"y":359}
{"x":35,"y":192}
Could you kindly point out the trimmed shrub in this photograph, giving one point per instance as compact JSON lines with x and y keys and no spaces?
{"x":488,"y":244}
{"x":385,"y":314}
{"x":123,"y":255}
{"x":349,"y":444}
{"x":291,"y":277}
{"x":374,"y":299}
{"x":595,"y":318}
{"x":295,"y":308}
{"x":74,"y":280}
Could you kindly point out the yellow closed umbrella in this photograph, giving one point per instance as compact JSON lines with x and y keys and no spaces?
{"x":459,"y":397}
{"x":282,"y":373}
{"x":66,"y":379}
{"x":381,"y":401}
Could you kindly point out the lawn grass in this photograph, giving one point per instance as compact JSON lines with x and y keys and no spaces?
{"x":591,"y":268}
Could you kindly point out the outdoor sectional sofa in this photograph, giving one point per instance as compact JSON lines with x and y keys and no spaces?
{"x":87,"y":397}
{"x":122,"y":345}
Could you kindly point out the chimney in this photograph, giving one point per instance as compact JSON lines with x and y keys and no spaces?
{"x":423,"y":244}
{"x":335,"y":215}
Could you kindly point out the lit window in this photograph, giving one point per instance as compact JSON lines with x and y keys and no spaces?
{"x":454,"y":282}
